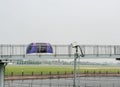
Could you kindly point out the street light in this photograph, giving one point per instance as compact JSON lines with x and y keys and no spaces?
{"x":76,"y":55}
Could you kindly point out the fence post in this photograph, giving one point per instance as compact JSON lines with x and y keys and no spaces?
{"x":118,"y":72}
{"x":41,"y":73}
{"x":58,"y":74}
{"x":106,"y":73}
{"x":22,"y":73}
{"x":50,"y":75}
{"x":87,"y":72}
{"x":72,"y":72}
{"x":65,"y":74}
{"x":99,"y":72}
{"x":11,"y":73}
{"x":32,"y":73}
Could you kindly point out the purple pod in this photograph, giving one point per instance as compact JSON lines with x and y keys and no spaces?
{"x":39,"y":48}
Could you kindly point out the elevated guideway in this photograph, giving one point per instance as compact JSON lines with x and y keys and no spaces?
{"x":11,"y":52}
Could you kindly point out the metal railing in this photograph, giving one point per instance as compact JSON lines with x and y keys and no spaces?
{"x":63,"y":50}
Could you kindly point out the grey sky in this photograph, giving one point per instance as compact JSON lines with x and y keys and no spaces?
{"x":60,"y":21}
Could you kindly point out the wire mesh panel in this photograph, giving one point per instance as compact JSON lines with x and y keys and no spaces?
{"x":104,"y":50}
{"x":117,"y":50}
{"x":18,"y":50}
{"x":89,"y":50}
{"x":5,"y":50}
{"x":66,"y":82}
{"x":64,"y":50}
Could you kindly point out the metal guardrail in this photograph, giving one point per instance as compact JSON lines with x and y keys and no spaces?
{"x":63,"y":50}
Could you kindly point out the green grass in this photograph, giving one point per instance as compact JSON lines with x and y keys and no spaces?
{"x":100,"y":69}
{"x":17,"y":70}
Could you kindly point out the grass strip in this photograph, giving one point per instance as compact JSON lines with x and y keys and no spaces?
{"x":53,"y":69}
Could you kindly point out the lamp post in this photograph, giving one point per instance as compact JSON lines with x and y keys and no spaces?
{"x":75,"y":59}
{"x":76,"y":56}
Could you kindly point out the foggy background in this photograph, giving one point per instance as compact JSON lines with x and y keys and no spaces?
{"x":60,"y":21}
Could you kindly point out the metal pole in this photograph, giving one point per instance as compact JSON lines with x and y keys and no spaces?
{"x":75,"y":59}
{"x":74,"y":81}
{"x":2,"y":73}
{"x":79,"y":71}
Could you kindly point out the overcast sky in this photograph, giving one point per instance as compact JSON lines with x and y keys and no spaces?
{"x":60,"y":21}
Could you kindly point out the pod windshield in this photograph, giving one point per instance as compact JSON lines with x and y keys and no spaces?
{"x":39,"y":48}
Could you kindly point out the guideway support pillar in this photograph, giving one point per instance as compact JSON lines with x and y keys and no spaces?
{"x":2,"y":72}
